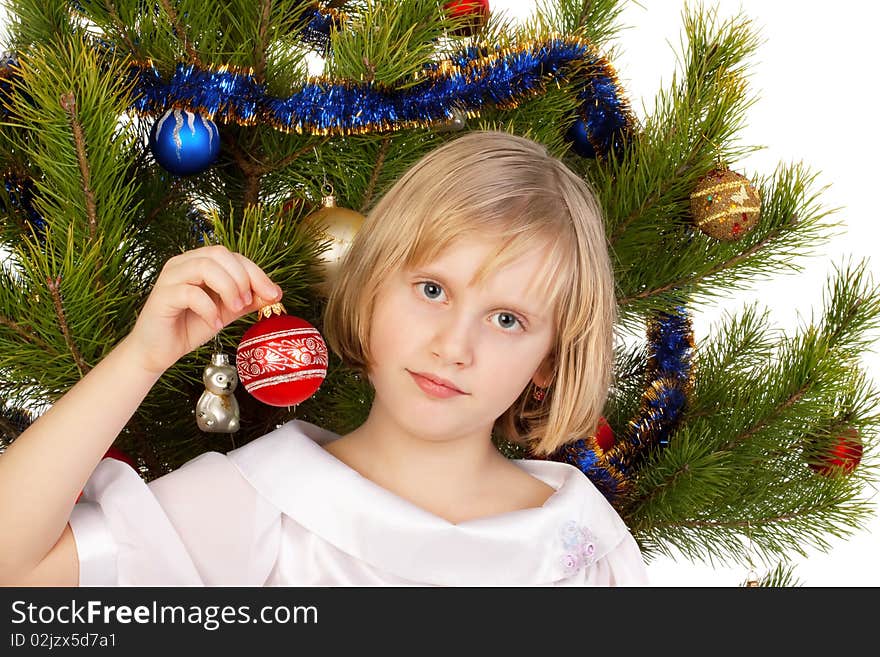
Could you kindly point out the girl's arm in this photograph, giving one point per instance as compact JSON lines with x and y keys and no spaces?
{"x":44,"y":470}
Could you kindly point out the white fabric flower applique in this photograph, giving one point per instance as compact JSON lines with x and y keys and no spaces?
{"x":580,"y":547}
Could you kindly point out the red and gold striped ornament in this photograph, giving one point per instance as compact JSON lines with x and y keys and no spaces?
{"x":282,"y":359}
{"x":725,"y":205}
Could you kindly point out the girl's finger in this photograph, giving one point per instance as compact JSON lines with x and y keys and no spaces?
{"x":231,"y":261}
{"x":195,"y":299}
{"x":209,"y":273}
{"x":260,"y":283}
{"x":181,"y":269}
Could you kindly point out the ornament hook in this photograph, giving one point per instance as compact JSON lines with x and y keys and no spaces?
{"x":323,"y":170}
{"x":718,"y":158}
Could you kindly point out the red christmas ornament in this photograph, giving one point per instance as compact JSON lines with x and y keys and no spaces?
{"x":604,"y":435}
{"x":475,"y":10}
{"x":282,"y":359}
{"x":842,"y":457}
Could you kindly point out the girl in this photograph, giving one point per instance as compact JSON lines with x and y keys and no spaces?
{"x":477,"y":297}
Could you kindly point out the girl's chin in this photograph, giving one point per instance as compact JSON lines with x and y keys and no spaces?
{"x":438,"y":427}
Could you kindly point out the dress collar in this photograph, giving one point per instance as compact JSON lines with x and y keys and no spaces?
{"x":574,"y":527}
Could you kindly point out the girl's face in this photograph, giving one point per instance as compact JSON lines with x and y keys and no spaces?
{"x":489,"y":341}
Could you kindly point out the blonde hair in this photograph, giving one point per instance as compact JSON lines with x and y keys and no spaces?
{"x":495,"y":183}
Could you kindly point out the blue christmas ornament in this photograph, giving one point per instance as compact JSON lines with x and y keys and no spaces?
{"x":580,"y":141}
{"x":184,"y":143}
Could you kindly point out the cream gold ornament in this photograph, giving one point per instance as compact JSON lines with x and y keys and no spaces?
{"x":338,"y":226}
{"x":725,"y":205}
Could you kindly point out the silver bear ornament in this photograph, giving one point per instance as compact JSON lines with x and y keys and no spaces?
{"x":217,"y":408}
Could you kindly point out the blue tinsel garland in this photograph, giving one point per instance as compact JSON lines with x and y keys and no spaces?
{"x":475,"y":78}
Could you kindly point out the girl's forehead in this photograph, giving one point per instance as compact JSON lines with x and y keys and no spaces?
{"x":475,"y":253}
{"x":484,"y":262}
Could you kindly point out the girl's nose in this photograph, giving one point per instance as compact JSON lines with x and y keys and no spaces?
{"x":453,"y":340}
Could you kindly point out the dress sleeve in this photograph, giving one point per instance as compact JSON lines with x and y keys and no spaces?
{"x":201,"y":525}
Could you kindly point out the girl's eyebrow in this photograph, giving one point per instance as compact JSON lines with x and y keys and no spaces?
{"x":528,"y":314}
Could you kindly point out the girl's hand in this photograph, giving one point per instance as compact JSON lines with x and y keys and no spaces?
{"x":197,"y":293}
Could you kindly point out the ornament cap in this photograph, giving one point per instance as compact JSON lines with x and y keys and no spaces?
{"x":271,"y":309}
{"x":328,"y":200}
{"x":220,"y":359}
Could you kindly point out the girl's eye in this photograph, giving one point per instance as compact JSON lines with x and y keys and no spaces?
{"x":431,"y":289}
{"x":509,"y":320}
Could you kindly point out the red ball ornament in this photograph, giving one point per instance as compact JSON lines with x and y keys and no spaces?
{"x":477,"y":11}
{"x":282,"y":359}
{"x":843,"y":455}
{"x":604,"y":435}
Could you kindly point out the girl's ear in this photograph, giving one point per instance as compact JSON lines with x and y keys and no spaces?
{"x":543,"y":376}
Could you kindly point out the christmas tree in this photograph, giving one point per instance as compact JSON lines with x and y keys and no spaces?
{"x":134,"y":131}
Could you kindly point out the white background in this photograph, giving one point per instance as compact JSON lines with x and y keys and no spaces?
{"x":815,"y":74}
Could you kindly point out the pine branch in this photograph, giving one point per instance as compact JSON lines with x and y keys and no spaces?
{"x":122,"y":29}
{"x":54,"y":286}
{"x":171,"y":195}
{"x":792,"y":224}
{"x":36,"y":21}
{"x":371,"y":186}
{"x":68,"y":103}
{"x":743,"y":449}
{"x":180,"y":32}
{"x":694,"y":162}
{"x":782,"y":575}
{"x":262,"y":42}
{"x":254,"y":170}
{"x":287,"y":160}
{"x":242,"y":159}
{"x":689,"y":129}
{"x":738,"y":524}
{"x":251,"y":195}
{"x":684,"y":283}
{"x":594,"y":20}
{"x":585,"y":12}
{"x":388,"y":42}
{"x":248,"y":163}
{"x":25,"y":335}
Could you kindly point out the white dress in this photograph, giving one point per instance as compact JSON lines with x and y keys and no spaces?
{"x":282,"y":511}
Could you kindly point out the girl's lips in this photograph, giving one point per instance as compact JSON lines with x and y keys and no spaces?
{"x":434,"y":389}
